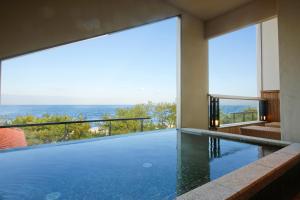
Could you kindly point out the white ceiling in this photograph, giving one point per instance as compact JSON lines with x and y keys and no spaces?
{"x":207,"y":9}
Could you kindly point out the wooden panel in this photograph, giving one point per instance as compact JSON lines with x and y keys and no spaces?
{"x":272,"y":96}
{"x":273,"y":124}
{"x":235,"y":129}
{"x":232,"y":129}
{"x":261,"y":131}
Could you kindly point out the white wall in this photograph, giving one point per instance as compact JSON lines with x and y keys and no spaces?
{"x":268,"y":55}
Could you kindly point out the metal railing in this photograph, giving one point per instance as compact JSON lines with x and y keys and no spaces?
{"x":215,"y":119}
{"x":235,"y":97}
{"x":252,"y":116}
{"x":141,"y":119}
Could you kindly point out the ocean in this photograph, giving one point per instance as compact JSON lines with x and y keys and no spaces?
{"x":9,"y":112}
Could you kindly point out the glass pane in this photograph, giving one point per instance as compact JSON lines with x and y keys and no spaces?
{"x":127,"y":74}
{"x":233,"y":63}
{"x":236,"y":111}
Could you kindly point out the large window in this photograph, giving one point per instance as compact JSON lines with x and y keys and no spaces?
{"x":128,"y":74}
{"x":128,"y":67}
{"x":233,"y":63}
{"x":233,"y":72}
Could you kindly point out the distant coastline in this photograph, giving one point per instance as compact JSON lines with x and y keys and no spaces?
{"x":9,"y":112}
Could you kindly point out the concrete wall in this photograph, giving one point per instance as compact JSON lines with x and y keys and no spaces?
{"x":289,"y":60}
{"x":194,"y":73}
{"x":269,"y":55}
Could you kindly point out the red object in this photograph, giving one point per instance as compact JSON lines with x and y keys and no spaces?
{"x":11,"y":138}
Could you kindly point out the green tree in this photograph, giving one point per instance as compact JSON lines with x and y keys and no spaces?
{"x":248,"y":114}
{"x":52,"y":133}
{"x":163,"y":115}
{"x":137,"y":111}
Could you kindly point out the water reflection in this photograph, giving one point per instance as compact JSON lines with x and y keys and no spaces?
{"x":214,"y":148}
{"x":192,"y":162}
{"x":157,"y":165}
{"x":201,"y":159}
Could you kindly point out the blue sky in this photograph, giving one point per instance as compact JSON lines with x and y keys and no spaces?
{"x":233,"y":63}
{"x":128,"y":67}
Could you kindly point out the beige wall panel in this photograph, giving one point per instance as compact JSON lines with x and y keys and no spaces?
{"x":270,"y":55}
{"x":289,"y":67}
{"x":194,"y":74}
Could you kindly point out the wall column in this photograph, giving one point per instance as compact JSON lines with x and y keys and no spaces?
{"x":194,"y":74}
{"x":0,"y":82}
{"x":289,"y":67}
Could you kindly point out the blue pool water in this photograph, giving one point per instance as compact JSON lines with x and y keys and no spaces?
{"x":154,"y":165}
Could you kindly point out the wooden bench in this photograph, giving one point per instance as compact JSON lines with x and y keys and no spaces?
{"x":261,"y":131}
{"x":273,"y":124}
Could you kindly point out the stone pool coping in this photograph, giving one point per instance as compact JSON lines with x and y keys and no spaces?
{"x":237,"y":137}
{"x":250,"y":179}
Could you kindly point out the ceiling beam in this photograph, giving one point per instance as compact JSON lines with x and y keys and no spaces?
{"x":251,"y":13}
